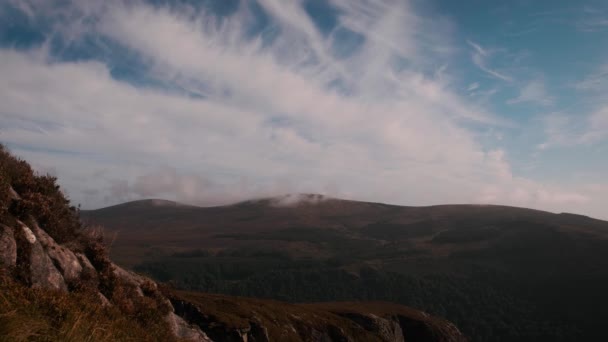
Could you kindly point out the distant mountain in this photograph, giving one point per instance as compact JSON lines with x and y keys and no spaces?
{"x":500,"y":273}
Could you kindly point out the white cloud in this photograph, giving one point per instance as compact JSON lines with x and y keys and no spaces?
{"x":473,"y":86}
{"x":598,"y":126}
{"x":267,"y":120}
{"x":566,"y":130}
{"x":478,"y":49}
{"x":596,"y":82}
{"x":533,"y":92}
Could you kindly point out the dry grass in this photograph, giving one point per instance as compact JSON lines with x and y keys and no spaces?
{"x":43,"y":315}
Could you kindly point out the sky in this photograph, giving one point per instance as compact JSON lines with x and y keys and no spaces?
{"x":405,"y":102}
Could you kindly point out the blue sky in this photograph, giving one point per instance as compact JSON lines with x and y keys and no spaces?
{"x":409,"y":102}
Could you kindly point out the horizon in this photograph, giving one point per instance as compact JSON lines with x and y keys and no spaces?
{"x":412,"y":103}
{"x":328,"y":198}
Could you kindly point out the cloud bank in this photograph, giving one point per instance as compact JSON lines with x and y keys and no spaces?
{"x":129,"y":100}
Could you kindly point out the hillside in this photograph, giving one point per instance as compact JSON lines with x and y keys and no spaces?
{"x":500,"y":273}
{"x":57,"y":283}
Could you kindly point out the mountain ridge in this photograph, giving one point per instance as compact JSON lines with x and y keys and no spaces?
{"x":271,"y":200}
{"x":499,"y":272}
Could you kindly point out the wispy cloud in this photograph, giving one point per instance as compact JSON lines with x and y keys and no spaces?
{"x":593,"y":25}
{"x":533,"y":92}
{"x":564,"y":130}
{"x":480,"y":57}
{"x":225,"y":106}
{"x":473,"y":86}
{"x":596,"y":82}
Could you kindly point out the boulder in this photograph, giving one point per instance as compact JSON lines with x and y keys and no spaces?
{"x":64,"y":259}
{"x":132,"y":279}
{"x":182,"y":330}
{"x":41,"y":270}
{"x":8,"y":247}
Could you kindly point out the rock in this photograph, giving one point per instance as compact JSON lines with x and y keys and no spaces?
{"x":181,"y":329}
{"x":258,"y":332}
{"x":388,"y":329}
{"x":85,"y":263}
{"x":64,"y":259}
{"x":104,"y":300}
{"x":13,"y":194}
{"x":131,"y":278}
{"x":41,"y":270}
{"x":29,"y":236}
{"x":8,"y":247}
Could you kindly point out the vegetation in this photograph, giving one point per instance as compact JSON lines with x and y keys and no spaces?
{"x":482,"y":303}
{"x":46,"y":315}
{"x":41,"y":199}
{"x":43,"y":315}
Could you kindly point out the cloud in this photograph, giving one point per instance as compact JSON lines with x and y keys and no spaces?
{"x":598,"y":126}
{"x":564,"y":130}
{"x":473,"y":86}
{"x":533,"y":92}
{"x":596,"y":82}
{"x":478,"y":49}
{"x":479,"y":58}
{"x":595,"y":24}
{"x":213,"y":110}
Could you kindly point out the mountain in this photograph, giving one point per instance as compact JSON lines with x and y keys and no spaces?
{"x":57,"y":283}
{"x":500,"y":273}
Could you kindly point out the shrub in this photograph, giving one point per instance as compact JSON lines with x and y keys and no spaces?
{"x":41,"y":199}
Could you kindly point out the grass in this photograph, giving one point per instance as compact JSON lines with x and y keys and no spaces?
{"x":43,"y":315}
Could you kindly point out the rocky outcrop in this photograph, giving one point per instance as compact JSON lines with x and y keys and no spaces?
{"x":38,"y":261}
{"x":401,"y":328}
{"x":39,"y":270}
{"x":233,"y":319}
{"x":66,"y":261}
{"x":253,"y":332}
{"x":387,"y":328}
{"x":46,"y":264}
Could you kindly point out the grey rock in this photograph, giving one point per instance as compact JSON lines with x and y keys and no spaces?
{"x":64,"y":259}
{"x":181,"y":329}
{"x":8,"y":247}
{"x":42,"y":272}
{"x":132,"y":279}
